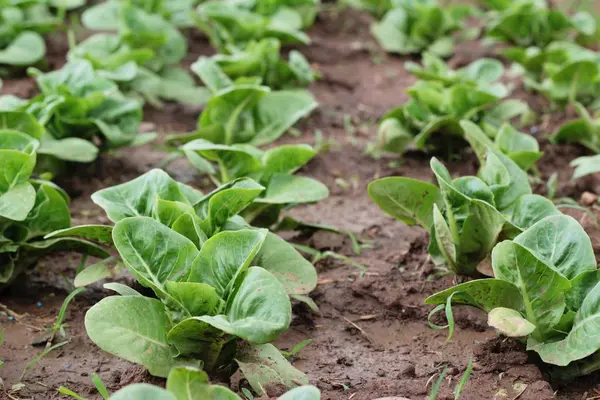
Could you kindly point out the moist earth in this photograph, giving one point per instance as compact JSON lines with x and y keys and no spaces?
{"x":370,"y":338}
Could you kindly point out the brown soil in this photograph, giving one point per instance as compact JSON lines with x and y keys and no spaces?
{"x":371,"y":337}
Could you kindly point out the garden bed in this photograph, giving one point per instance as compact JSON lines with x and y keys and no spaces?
{"x":371,"y":338}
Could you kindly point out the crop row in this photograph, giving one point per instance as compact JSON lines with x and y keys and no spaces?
{"x":220,"y":280}
{"x":535,"y":271}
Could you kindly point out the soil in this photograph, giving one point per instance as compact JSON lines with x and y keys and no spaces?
{"x":371,"y":338}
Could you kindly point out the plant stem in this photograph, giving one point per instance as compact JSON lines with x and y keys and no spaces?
{"x":233,"y":119}
{"x":576,"y":369}
{"x":213,"y":354}
{"x":223,"y":170}
{"x":573,"y":89}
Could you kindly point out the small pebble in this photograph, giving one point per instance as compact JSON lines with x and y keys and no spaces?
{"x":11,"y":318}
{"x":39,"y":304}
{"x":587,"y":198}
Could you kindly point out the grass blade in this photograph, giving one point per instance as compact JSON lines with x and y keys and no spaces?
{"x":463,"y":380}
{"x":438,"y":384}
{"x":100,"y":386}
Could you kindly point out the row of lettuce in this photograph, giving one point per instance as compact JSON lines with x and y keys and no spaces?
{"x":546,"y":46}
{"x":218,"y":281}
{"x":221,"y":281}
{"x":534,"y":268}
{"x":543,"y":285}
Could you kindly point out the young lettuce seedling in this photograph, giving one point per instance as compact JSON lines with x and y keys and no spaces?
{"x":231,"y":24}
{"x":376,"y":7}
{"x":221,"y":286}
{"x":143,"y":56}
{"x":244,"y":111}
{"x":563,"y":72}
{"x":29,"y":208}
{"x":207,"y":301}
{"x":23,"y":24}
{"x":78,"y":108}
{"x":198,"y":217}
{"x":545,"y":289}
{"x":106,"y":16}
{"x":273,"y":169}
{"x":263,"y":59}
{"x":465,"y":216}
{"x":435,"y":111}
{"x":184,"y":381}
{"x":412,"y":27}
{"x":482,"y":74}
{"x":585,"y":131}
{"x":534,"y":23}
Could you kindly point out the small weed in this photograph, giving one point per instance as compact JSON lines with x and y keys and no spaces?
{"x":438,"y":384}
{"x":320,"y":255}
{"x":292,"y":353}
{"x":58,"y":327}
{"x":463,"y":380}
{"x":100,"y":386}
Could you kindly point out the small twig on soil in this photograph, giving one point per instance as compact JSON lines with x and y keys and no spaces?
{"x":359,"y":329}
{"x":19,"y":318}
{"x":371,"y":274}
{"x":325,"y":281}
{"x":11,"y":397}
{"x":431,"y":378}
{"x":367,"y":317}
{"x":519,"y":395}
{"x":12,"y":313}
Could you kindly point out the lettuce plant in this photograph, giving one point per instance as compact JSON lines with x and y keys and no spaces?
{"x":465,"y":216}
{"x":376,"y":7}
{"x":143,"y":56}
{"x":22,"y":24}
{"x":105,"y":16}
{"x":584,"y":131}
{"x":221,"y":286}
{"x":207,"y":300}
{"x":534,"y":23}
{"x":234,"y":23}
{"x":414,"y":26}
{"x":263,"y":59}
{"x":482,"y":74}
{"x":181,"y":379}
{"x":81,"y":113}
{"x":435,"y":109}
{"x":273,"y":169}
{"x":563,"y":72}
{"x":198,"y":217}
{"x":244,"y":111}
{"x":29,"y":208}
{"x":545,"y":289}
